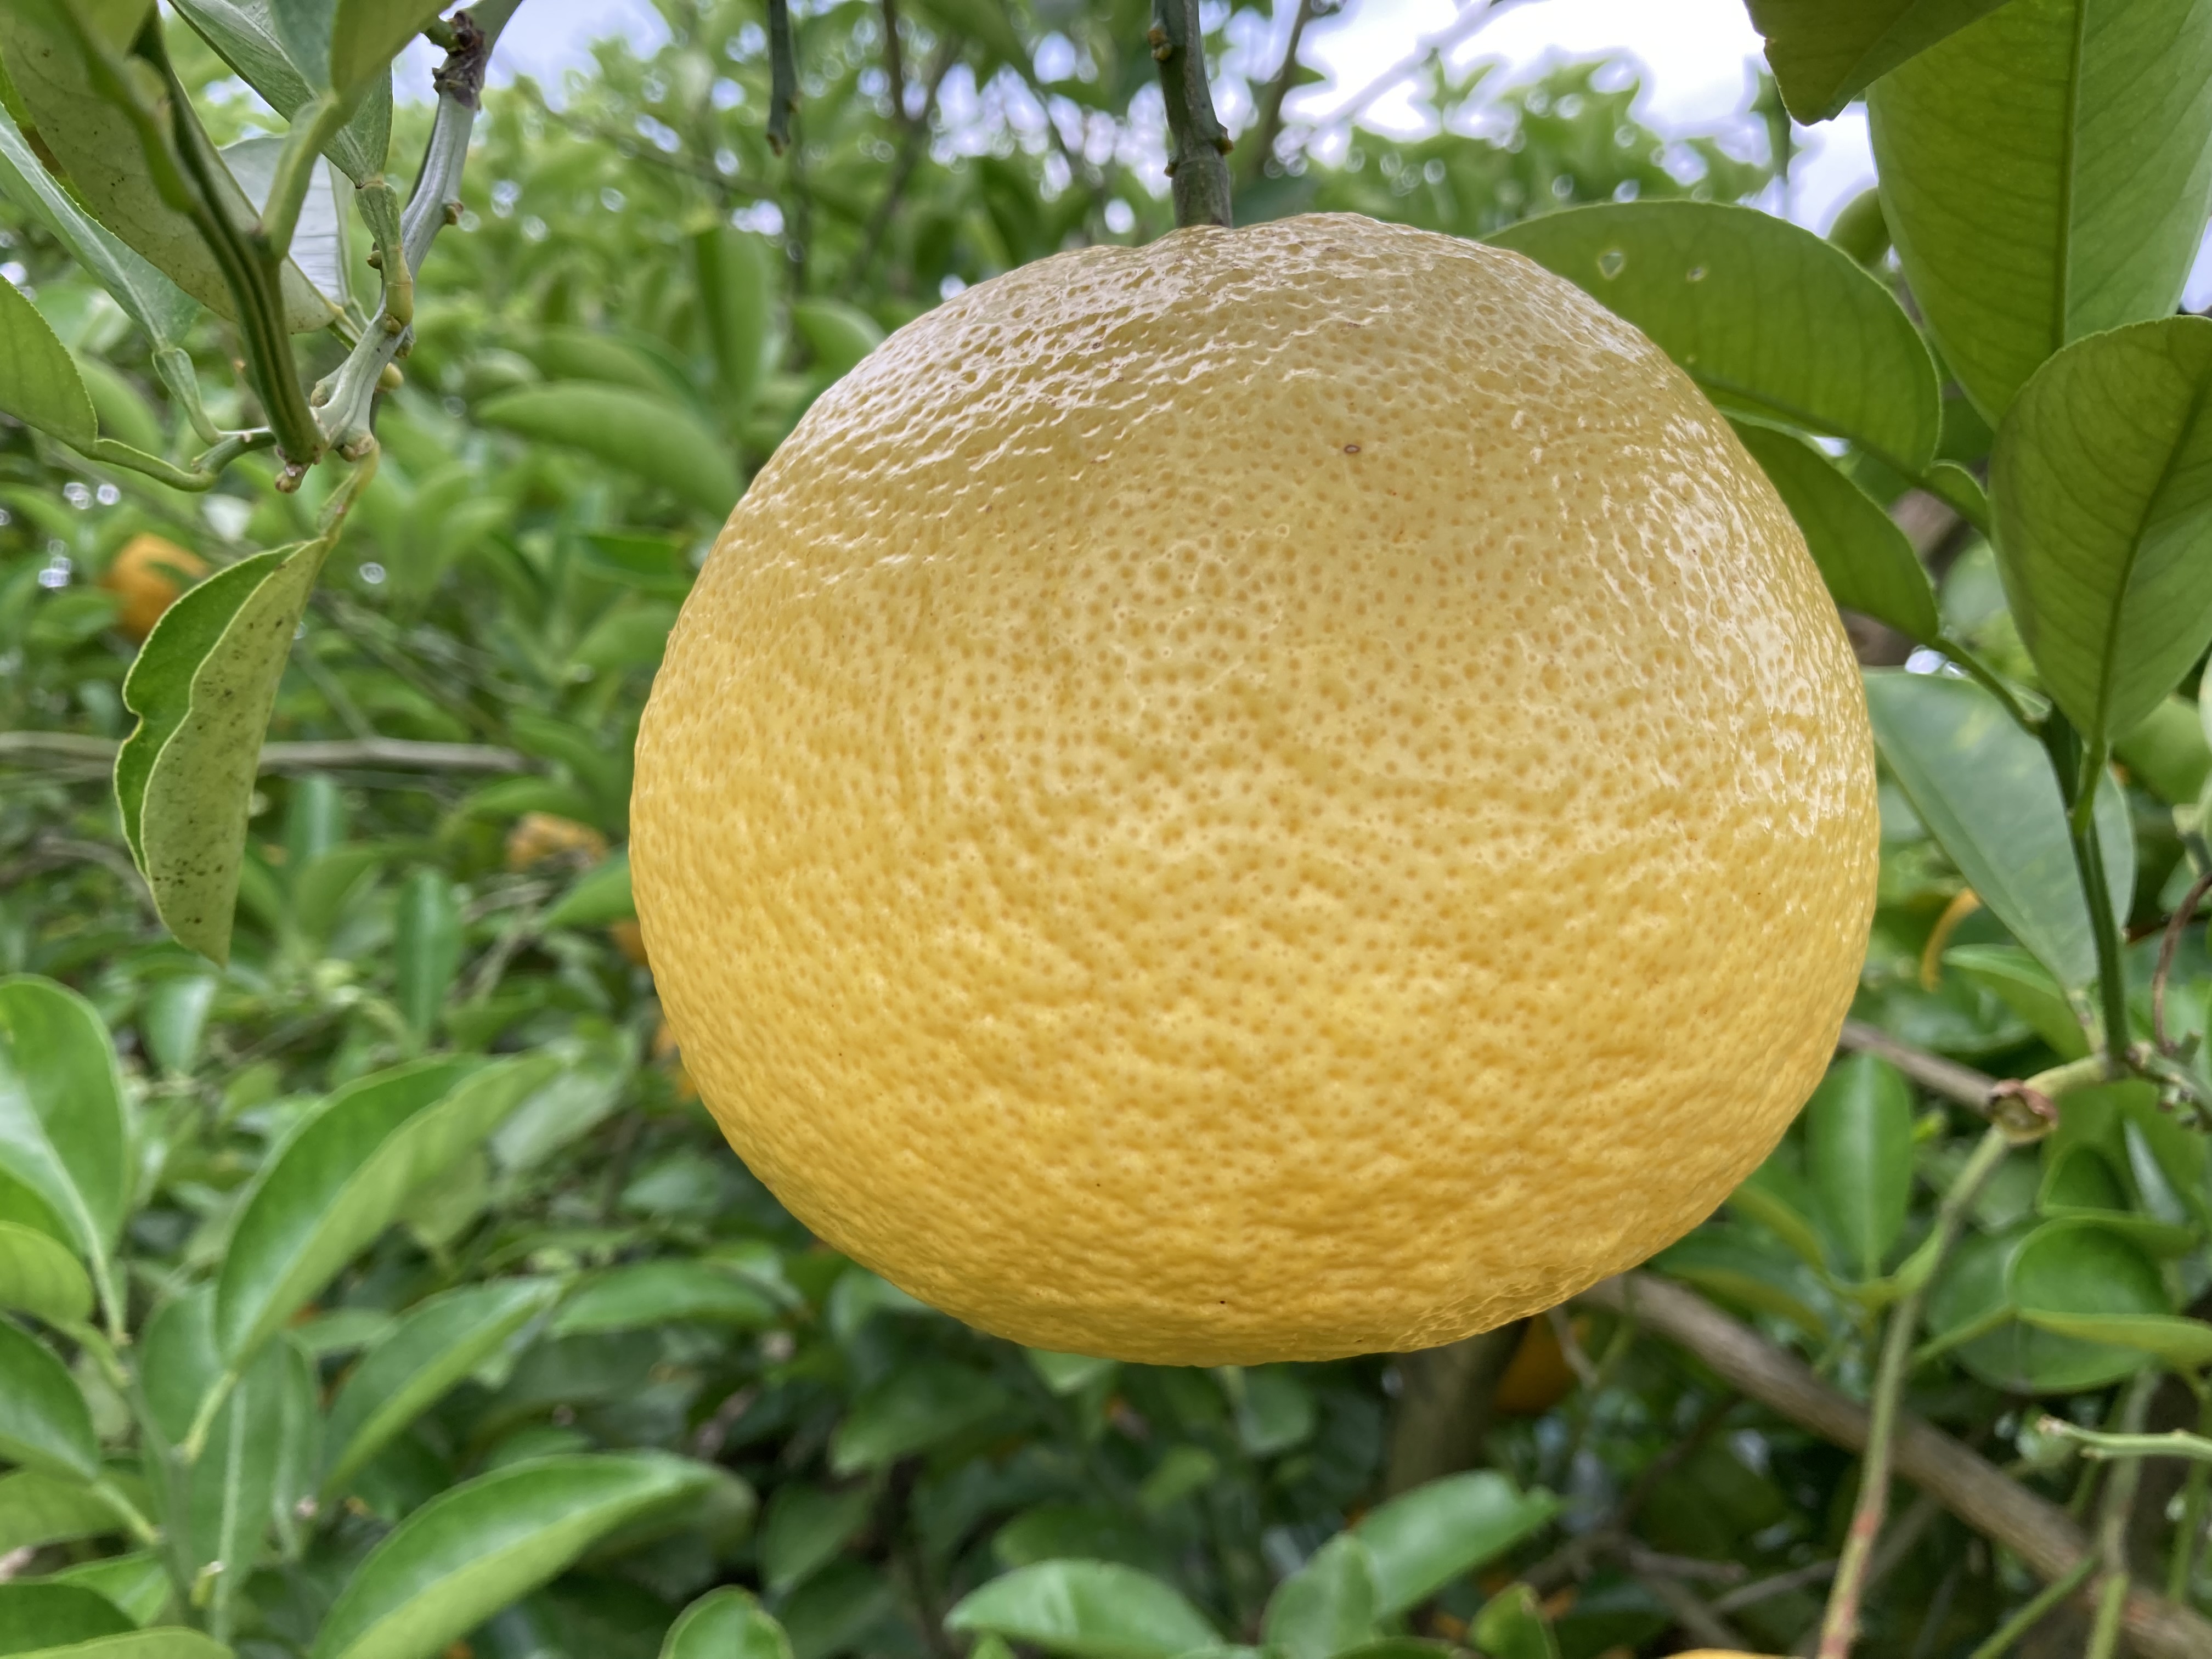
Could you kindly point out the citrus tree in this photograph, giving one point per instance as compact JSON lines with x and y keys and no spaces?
{"x":375,"y":1285}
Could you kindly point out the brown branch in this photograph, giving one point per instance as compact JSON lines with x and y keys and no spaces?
{"x":2176,"y":926}
{"x":1973,"y":1489}
{"x":1689,"y":1612}
{"x":1269,"y":126}
{"x":1939,"y":1076}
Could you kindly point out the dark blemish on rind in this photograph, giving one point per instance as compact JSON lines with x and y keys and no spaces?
{"x":1351,"y":449}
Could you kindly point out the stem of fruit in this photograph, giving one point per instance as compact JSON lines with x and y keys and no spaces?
{"x":783,"y":76}
{"x":345,"y":398}
{"x":1198,"y":143}
{"x":1839,"y":1625}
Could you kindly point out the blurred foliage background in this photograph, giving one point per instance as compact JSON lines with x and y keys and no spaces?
{"x":639,"y":302}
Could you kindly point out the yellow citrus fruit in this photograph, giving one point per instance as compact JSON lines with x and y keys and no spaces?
{"x":539,"y":838}
{"x":1284,"y":793}
{"x":146,"y":574}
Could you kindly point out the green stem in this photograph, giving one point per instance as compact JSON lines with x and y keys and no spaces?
{"x":133,"y":1520}
{"x":203,"y":1425}
{"x":2181,"y":1564}
{"x":2112,"y":1603}
{"x":2113,"y":1517}
{"x":313,"y":126}
{"x":1839,"y":1625}
{"x":2122,"y":1447}
{"x":1197,"y":169}
{"x":2077,"y":789}
{"x":1991,"y":681}
{"x":174,"y":365}
{"x":783,"y":76}
{"x":2049,"y":1597}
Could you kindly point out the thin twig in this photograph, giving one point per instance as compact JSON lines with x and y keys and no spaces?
{"x":1839,"y":1627}
{"x":2031,"y":1614}
{"x":1269,"y":126}
{"x":2113,"y":1515}
{"x":2169,"y":947}
{"x":1781,"y":1583}
{"x":2128,"y":1447}
{"x":1698,"y":1620}
{"x":1197,"y":142}
{"x":283,"y":758}
{"x":911,"y":146}
{"x":1972,"y":1488}
{"x":1939,"y":1076}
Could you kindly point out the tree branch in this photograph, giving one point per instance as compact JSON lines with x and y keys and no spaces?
{"x":1197,"y":142}
{"x":1939,"y":1076}
{"x":1973,"y":1489}
{"x":70,"y":751}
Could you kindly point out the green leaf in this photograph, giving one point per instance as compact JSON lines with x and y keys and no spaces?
{"x":366,"y":35}
{"x":426,"y":949}
{"x":1088,"y":1609}
{"x":838,"y":335}
{"x":202,"y":687}
{"x":2026,"y":987}
{"x":157,"y":305}
{"x":166,"y":1641}
{"x":2045,"y":174}
{"x":95,"y":136}
{"x":435,"y":1345}
{"x":1824,"y":54}
{"x":1770,"y":320}
{"x":171,"y":1017}
{"x":1858,"y":1157}
{"x":648,"y":1293}
{"x":735,"y":283}
{"x":319,"y":243}
{"x":50,"y":1615}
{"x":1275,"y":1412}
{"x":44,"y":1425}
{"x":725,"y":1623}
{"x":1327,"y":1605}
{"x":472,"y":1550}
{"x":1749,"y":1275}
{"x":805,"y":1527}
{"x":2183,"y":1344}
{"x":1778,"y":1198}
{"x":1985,"y":789}
{"x":40,"y":1278}
{"x":910,"y":1411}
{"x":1422,"y":1540}
{"x":1066,"y":1373}
{"x":2102,"y":482}
{"x":2167,"y":752}
{"x":641,"y":432}
{"x":600,"y":896}
{"x":1867,"y":562}
{"x":40,"y":385}
{"x":246,"y":34}
{"x":2077,"y":1268}
{"x":39,"y":1509}
{"x":61,"y":1116}
{"x":345,"y":1174}
{"x":138,"y":1583}
{"x":1511,"y":1626}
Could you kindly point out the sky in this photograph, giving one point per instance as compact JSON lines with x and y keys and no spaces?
{"x":1698,"y":60}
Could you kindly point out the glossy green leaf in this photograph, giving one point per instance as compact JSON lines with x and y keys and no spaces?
{"x":648,"y":1293}
{"x":202,"y":687}
{"x":171,"y":1017}
{"x":914,"y":1408}
{"x":1864,"y":558}
{"x":726,"y":1624}
{"x":804,"y":1527}
{"x":434,"y":1346}
{"x":1424,"y":1539}
{"x":1777,"y":1197}
{"x":2183,"y":1344}
{"x":2025,"y":985}
{"x":319,"y":243}
{"x":838,"y":335}
{"x":1749,"y":1275}
{"x":1770,"y":320}
{"x":426,"y":949}
{"x":165,"y":1642}
{"x":61,"y":1115}
{"x":472,"y":1550}
{"x":2045,"y":174}
{"x":40,"y":1278}
{"x":38,"y":1509}
{"x":2102,"y":482}
{"x":2078,"y":1268}
{"x":246,"y":35}
{"x":1087,"y":1609}
{"x":1327,"y":1605}
{"x":1986,"y":791}
{"x":641,"y":432}
{"x":50,"y":1615}
{"x":40,"y":385}
{"x":1858,"y":1160}
{"x":366,"y":35}
{"x":2167,"y":752}
{"x":1511,"y":1626}
{"x":44,"y":1425}
{"x":98,"y":141}
{"x":138,"y":1583}
{"x":1824,"y":54}
{"x":343,"y":1177}
{"x":157,"y":305}
{"x":600,"y":896}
